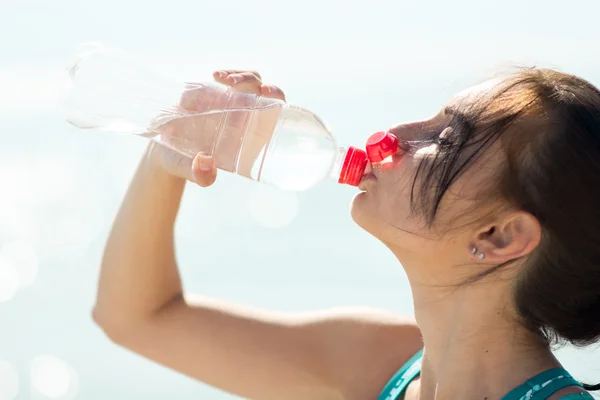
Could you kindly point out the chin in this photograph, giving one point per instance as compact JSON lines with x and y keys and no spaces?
{"x":368,"y":214}
{"x":363,"y":213}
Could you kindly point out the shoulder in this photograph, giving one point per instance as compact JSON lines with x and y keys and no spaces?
{"x":364,"y":346}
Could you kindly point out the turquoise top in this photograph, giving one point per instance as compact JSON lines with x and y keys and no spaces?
{"x":537,"y":388}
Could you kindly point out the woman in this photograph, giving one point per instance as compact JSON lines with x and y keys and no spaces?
{"x":492,"y":208}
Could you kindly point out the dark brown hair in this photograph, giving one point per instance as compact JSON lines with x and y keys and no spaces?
{"x":548,"y":124}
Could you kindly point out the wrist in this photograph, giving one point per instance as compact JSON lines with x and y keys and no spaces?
{"x":152,"y":162}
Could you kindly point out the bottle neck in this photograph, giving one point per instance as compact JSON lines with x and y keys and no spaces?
{"x":336,"y":169}
{"x":350,"y":166}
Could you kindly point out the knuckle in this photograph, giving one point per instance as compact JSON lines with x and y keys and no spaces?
{"x":250,"y":77}
{"x":187,"y":99}
{"x":277,"y":92}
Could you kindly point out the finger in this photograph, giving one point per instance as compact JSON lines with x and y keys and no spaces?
{"x":222,"y":75}
{"x":248,"y":87}
{"x":243,"y":77}
{"x":272,"y":91}
{"x":204,"y":172}
{"x":244,"y":81}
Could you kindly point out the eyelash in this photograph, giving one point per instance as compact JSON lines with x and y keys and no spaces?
{"x":431,"y":139}
{"x":443,"y":141}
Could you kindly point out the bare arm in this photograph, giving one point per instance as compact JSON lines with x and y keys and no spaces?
{"x":250,"y":352}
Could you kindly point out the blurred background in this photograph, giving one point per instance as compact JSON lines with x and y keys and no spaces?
{"x":360,"y":66}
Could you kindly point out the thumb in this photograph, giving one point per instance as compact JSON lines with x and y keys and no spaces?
{"x":203,"y":170}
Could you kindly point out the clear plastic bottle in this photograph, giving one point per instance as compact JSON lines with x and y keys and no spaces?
{"x":259,"y":138}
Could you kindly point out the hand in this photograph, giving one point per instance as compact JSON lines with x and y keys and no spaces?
{"x":201,"y":169}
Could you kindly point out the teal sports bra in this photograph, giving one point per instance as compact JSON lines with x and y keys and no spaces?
{"x":537,"y":388}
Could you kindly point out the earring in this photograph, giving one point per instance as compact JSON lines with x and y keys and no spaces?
{"x":474,"y":251}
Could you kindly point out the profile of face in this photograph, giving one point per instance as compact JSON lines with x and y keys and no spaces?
{"x":398,"y":195}
{"x":502,"y":185}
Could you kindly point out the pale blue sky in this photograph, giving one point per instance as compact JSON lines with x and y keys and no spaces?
{"x":361,"y":68}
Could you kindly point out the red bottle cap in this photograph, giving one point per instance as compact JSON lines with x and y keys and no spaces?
{"x":353,"y":167}
{"x":381,"y":145}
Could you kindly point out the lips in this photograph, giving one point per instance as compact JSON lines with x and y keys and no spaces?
{"x":368,"y":173}
{"x":365,"y":179}
{"x":368,"y":168}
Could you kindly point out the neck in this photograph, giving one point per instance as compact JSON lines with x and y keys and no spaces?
{"x":474,"y":346}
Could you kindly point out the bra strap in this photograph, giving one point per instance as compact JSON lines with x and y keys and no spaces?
{"x":401,"y":379}
{"x":578,"y":396}
{"x":543,"y":385}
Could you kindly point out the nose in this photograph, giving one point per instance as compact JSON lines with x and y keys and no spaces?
{"x":408,"y":132}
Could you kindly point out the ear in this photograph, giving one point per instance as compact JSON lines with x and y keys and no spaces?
{"x":509,"y":237}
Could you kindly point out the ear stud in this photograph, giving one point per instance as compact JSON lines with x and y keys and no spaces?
{"x":474,"y":251}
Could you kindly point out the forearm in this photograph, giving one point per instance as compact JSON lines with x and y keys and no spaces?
{"x":139,"y":273}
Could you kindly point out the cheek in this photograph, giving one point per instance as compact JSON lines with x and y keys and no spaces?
{"x":388,"y":202}
{"x":395,"y":181}
{"x":460,"y":206}
{"x":391,"y":199}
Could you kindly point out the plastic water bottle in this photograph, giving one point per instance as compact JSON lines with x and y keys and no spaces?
{"x":259,"y":138}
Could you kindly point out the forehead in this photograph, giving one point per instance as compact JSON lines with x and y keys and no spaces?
{"x":474,"y":93}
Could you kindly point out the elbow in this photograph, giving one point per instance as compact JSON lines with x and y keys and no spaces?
{"x":125,"y":326}
{"x":116,"y":329}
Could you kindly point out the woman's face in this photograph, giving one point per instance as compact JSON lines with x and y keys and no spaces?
{"x":383,"y":207}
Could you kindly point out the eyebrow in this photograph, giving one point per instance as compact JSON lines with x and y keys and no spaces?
{"x":460,"y":116}
{"x":450,"y":110}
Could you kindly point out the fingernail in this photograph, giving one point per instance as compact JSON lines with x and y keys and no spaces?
{"x":235,"y":80}
{"x":204,"y":162}
{"x":270,"y":89}
{"x":221,"y":74}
